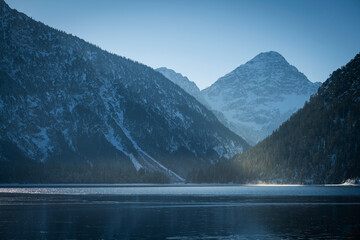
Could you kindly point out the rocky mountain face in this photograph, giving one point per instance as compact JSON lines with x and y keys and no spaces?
{"x":255,"y":98}
{"x":71,"y":112}
{"x":320,"y":143}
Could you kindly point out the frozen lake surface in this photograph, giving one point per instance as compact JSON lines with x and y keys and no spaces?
{"x":179,"y":212}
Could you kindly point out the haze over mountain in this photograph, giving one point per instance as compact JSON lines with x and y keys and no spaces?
{"x":320,"y":143}
{"x":71,"y":112}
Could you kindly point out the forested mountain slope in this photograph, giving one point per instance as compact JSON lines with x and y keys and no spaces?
{"x":320,"y":143}
{"x":71,"y":112}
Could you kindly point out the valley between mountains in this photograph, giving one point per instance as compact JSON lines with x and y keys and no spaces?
{"x":71,"y":112}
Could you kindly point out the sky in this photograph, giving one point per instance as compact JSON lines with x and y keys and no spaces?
{"x":204,"y":40}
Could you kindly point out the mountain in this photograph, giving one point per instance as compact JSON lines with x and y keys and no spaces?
{"x":320,"y":143}
{"x":71,"y":112}
{"x":255,"y":98}
{"x":183,"y":82}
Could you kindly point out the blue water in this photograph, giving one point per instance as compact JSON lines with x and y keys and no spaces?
{"x":179,"y":212}
{"x":198,"y":190}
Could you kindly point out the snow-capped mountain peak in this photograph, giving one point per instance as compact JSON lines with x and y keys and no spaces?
{"x":259,"y":95}
{"x":267,"y":57}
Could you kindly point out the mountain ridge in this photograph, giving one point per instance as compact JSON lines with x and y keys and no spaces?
{"x":66,"y":102}
{"x":182,"y":81}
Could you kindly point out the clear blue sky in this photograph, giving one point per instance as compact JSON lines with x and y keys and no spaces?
{"x":204,"y":40}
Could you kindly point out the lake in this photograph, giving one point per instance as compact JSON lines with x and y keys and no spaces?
{"x":179,"y":212}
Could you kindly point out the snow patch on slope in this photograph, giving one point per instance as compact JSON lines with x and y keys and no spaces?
{"x":136,"y":146}
{"x":41,"y":140}
{"x":116,"y":142}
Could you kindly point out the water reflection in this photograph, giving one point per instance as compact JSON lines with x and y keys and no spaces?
{"x":139,"y":217}
{"x":189,"y":190}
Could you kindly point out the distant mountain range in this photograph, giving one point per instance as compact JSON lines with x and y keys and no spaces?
{"x":255,"y":98}
{"x":189,"y":86}
{"x":320,"y":143}
{"x":71,"y":112}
